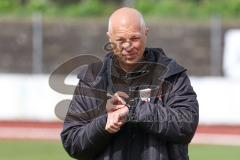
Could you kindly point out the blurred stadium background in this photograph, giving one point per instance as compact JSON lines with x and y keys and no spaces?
{"x":36,"y":36}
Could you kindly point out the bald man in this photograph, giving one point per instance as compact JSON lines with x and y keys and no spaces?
{"x":148,"y":111}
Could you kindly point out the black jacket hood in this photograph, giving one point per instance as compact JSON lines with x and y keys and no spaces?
{"x":157,"y":55}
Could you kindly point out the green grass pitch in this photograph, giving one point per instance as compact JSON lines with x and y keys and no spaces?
{"x":48,"y":150}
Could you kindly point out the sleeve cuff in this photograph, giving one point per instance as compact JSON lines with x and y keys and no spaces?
{"x":101,"y":123}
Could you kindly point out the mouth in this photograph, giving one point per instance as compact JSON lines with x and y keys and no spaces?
{"x":130,"y":55}
{"x":130,"y":58}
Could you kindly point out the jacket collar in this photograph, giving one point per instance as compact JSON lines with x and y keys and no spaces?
{"x":157,"y":56}
{"x":152,"y":55}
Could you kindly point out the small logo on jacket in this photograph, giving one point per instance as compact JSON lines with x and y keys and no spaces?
{"x":145,"y":94}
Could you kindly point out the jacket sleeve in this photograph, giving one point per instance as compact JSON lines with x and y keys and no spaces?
{"x":174,"y":121}
{"x":83,"y":134}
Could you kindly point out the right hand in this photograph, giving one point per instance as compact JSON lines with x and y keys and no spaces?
{"x":117,"y":112}
{"x":116,"y":119}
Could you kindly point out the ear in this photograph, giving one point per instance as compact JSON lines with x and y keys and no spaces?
{"x":146,"y":31}
{"x":109,"y":36}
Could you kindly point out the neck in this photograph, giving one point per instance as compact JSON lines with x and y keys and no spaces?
{"x":128,"y":67}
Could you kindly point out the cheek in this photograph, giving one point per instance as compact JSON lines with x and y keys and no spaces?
{"x":117,"y":47}
{"x":137,"y":45}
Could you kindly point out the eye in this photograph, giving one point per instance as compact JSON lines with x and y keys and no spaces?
{"x":120,"y":40}
{"x":135,"y":39}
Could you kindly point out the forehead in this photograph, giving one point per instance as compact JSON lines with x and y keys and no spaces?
{"x":124,"y":31}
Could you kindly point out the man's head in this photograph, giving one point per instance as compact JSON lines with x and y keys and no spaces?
{"x":128,"y":32}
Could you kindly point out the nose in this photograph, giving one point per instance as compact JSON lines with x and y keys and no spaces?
{"x":127,"y":46}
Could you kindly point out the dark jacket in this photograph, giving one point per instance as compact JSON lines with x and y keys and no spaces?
{"x":159,"y":129}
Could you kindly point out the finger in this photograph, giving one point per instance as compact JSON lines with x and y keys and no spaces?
{"x":116,"y":107}
{"x":119,"y":124}
{"x":112,"y":103}
{"x":115,"y":126}
{"x":122,"y":94}
{"x":117,"y":100}
{"x":113,"y":108}
{"x":107,"y":128}
{"x":111,"y":130}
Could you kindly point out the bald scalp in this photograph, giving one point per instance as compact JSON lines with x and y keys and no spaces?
{"x":124,"y":17}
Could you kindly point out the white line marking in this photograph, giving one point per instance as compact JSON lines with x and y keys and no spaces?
{"x":218,"y":139}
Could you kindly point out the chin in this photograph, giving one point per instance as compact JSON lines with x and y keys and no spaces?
{"x":131,"y":61}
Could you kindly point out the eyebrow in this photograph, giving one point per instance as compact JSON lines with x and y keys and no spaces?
{"x":132,"y":35}
{"x":136,"y":34}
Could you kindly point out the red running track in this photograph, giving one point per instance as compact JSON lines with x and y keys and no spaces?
{"x":24,"y":130}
